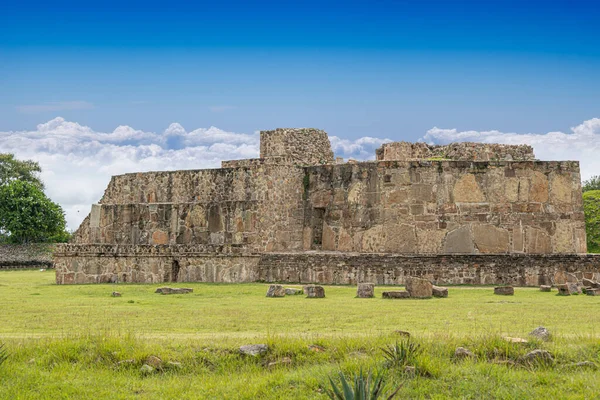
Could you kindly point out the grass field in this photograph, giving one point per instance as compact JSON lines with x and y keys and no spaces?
{"x":67,"y":341}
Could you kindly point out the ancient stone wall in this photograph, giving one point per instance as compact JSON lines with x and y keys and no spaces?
{"x":391,"y":269}
{"x":306,"y":146}
{"x":464,"y":151}
{"x":177,"y":263}
{"x":259,"y":206}
{"x":423,"y":207}
{"x":77,"y":264}
{"x":37,"y":255}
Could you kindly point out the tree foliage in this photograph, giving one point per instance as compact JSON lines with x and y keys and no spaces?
{"x":27,"y":215}
{"x":12,"y":170}
{"x":591,"y":207}
{"x":591,"y":184}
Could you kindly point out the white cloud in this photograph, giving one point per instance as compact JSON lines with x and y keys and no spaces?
{"x":55,"y":106}
{"x":582,"y":144}
{"x":78,"y":162}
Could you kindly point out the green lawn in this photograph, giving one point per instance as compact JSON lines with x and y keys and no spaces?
{"x":66,"y":341}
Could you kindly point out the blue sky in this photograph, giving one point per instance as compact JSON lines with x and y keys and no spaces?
{"x":392,"y":69}
{"x":90,"y":91}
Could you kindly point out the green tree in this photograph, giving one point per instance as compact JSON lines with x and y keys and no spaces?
{"x":12,"y":169}
{"x":591,"y":184}
{"x":591,"y":207}
{"x":27,"y":215}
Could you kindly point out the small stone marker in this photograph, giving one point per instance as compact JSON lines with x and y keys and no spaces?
{"x":154,"y":362}
{"x":504,"y":290}
{"x":418,"y":288}
{"x":116,"y":294}
{"x":254,"y":349}
{"x":563,"y":290}
{"x":293,"y":291}
{"x":314,"y":292}
{"x":461,"y":353}
{"x":276,"y":291}
{"x":515,"y":339}
{"x":396,"y":294}
{"x":541,"y":333}
{"x":168,"y":290}
{"x":538,"y":356}
{"x":439,"y":291}
{"x":593,"y":292}
{"x":365,"y":290}
{"x":545,"y":288}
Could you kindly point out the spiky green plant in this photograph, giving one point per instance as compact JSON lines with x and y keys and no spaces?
{"x":367,"y":387}
{"x":401,"y":353}
{"x":3,"y":353}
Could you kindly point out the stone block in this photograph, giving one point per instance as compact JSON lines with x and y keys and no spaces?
{"x":314,"y":291}
{"x":418,"y":288}
{"x":169,"y":290}
{"x":396,"y":294}
{"x":545,"y":288}
{"x":590,"y":283}
{"x":276,"y":291}
{"x":365,"y":290}
{"x":293,"y":291}
{"x":439,"y":291}
{"x":593,"y":292}
{"x":504,"y":290}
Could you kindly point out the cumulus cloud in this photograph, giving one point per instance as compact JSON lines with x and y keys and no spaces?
{"x":55,"y":106}
{"x":78,"y":162}
{"x":581,"y":144}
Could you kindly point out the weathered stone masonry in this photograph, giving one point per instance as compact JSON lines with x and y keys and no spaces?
{"x":294,"y":214}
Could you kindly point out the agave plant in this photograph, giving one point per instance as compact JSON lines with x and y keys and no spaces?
{"x":401,"y":353}
{"x":3,"y":353}
{"x":367,"y":387}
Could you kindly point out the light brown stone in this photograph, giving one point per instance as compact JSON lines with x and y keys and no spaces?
{"x":160,"y":237}
{"x":365,"y":290}
{"x":467,"y":190}
{"x":459,"y":241}
{"x":418,"y":288}
{"x":490,"y":239}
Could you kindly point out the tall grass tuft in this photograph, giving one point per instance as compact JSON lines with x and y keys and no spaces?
{"x":367,"y":387}
{"x":401,"y":353}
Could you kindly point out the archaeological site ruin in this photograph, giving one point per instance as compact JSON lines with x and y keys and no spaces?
{"x":461,"y":213}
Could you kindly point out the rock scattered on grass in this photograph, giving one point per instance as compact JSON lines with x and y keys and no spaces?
{"x":154,"y":362}
{"x":515,"y":339}
{"x":439,"y":291}
{"x":541,"y":333}
{"x":504,"y":290}
{"x":418,"y":288}
{"x":293,"y":291}
{"x":314,"y":291}
{"x":583,"y":364}
{"x":461,"y":353}
{"x":254,"y":349}
{"x":116,"y":294}
{"x":538,"y":356}
{"x":169,"y":290}
{"x":365,"y":290}
{"x":545,"y":288}
{"x":396,"y":294}
{"x":146,"y":369}
{"x":316,"y":348}
{"x":276,"y":291}
{"x":593,"y":292}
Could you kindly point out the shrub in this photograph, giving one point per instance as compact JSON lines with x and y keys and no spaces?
{"x":591,"y":207}
{"x":401,"y":353}
{"x":365,"y":388}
